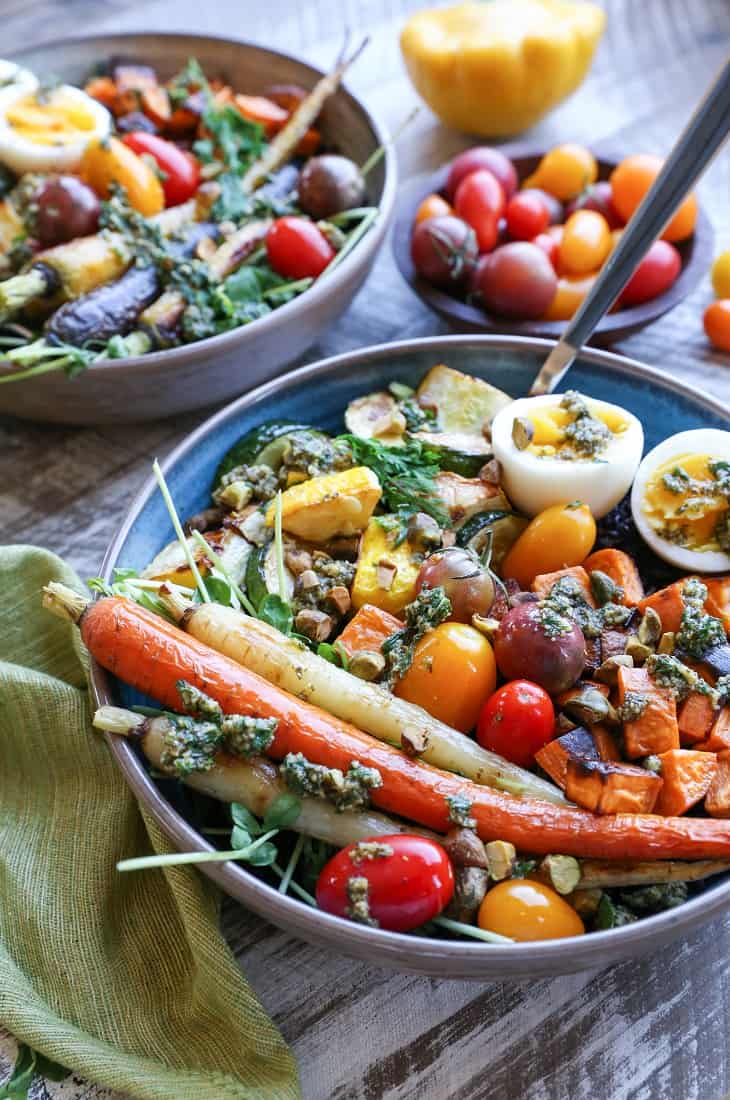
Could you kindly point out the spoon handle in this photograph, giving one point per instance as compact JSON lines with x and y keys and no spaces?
{"x":702,"y":137}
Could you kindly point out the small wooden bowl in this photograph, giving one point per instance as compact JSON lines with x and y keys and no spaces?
{"x":696,"y":253}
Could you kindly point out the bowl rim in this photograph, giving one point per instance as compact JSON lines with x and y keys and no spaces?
{"x":397,"y":950}
{"x":368,"y":246}
{"x":458,"y":312}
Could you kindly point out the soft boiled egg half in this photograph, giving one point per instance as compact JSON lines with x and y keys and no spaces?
{"x":681,"y":500}
{"x":48,"y":131}
{"x":564,"y":447}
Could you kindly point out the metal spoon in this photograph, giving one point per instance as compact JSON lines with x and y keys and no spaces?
{"x":702,"y":137}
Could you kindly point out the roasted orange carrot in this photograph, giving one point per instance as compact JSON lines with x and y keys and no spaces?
{"x":545,"y":581}
{"x":259,"y":109}
{"x":687,"y":776}
{"x":655,"y":730}
{"x":368,"y":629}
{"x":621,"y":569}
{"x":152,"y":655}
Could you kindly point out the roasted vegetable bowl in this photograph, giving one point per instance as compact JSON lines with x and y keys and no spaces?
{"x":345,"y":761}
{"x":176,"y":191}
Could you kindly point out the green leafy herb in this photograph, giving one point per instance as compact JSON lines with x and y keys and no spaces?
{"x":189,"y":80}
{"x":612,"y":915}
{"x":129,"y":584}
{"x":235,"y":140}
{"x":406,"y":475}
{"x":430,"y":607}
{"x":29,"y":1064}
{"x":283,"y":812}
{"x":336,"y":654}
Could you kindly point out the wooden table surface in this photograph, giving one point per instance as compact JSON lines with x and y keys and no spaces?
{"x":654,"y":1028}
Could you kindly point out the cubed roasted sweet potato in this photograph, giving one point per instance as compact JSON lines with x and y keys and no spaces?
{"x":687,"y":776}
{"x":668,"y":604}
{"x":718,"y":598}
{"x":606,"y":787}
{"x":695,"y":717}
{"x":544,"y":582}
{"x":717,"y":799}
{"x":622,"y":570}
{"x":656,"y":730}
{"x":368,"y":629}
{"x":605,"y":743}
{"x":718,"y":738}
{"x":577,"y":744}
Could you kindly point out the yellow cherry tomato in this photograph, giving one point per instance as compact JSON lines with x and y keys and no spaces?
{"x":452,"y":673}
{"x":110,"y":161}
{"x":569,"y":295}
{"x":721,"y":275}
{"x":586,"y":243}
{"x":631,"y":180}
{"x":565,"y":171}
{"x":561,"y":536}
{"x":433,"y":206}
{"x":526,"y":910}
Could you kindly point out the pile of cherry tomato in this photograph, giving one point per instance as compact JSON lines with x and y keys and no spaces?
{"x":532,"y":249}
{"x":717,"y":314}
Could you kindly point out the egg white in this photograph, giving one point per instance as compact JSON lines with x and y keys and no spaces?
{"x":707,"y":441}
{"x":534,"y":483}
{"x":12,"y":75}
{"x":23,"y":156}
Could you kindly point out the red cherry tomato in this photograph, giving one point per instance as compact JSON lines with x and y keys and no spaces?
{"x":555,"y":206}
{"x":549,"y":244}
{"x":517,"y":721}
{"x":480,"y":202}
{"x":297,"y":249}
{"x":181,"y":170}
{"x":654,"y":275}
{"x":405,"y":887}
{"x":527,"y":215}
{"x":482,"y":156}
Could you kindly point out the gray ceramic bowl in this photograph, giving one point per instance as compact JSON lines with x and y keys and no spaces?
{"x":664,"y":405}
{"x":168,"y":382}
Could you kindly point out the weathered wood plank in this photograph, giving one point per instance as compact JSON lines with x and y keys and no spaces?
{"x":651,"y":1029}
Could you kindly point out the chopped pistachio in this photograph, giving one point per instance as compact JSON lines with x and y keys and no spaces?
{"x":666,"y":643}
{"x":523,"y":432}
{"x":470,"y":886}
{"x":586,"y":902}
{"x":604,"y":588}
{"x":308,"y":579}
{"x":501,"y":856}
{"x":464,"y":848}
{"x":590,"y":706}
{"x":366,"y":664}
{"x":637,"y":650}
{"x":413,"y":742}
{"x":650,"y":628}
{"x":385,"y":573}
{"x":563,"y":872}
{"x":652,"y":764}
{"x":608,"y":672}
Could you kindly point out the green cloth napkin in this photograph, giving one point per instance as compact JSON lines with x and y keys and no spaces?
{"x":124,"y":978}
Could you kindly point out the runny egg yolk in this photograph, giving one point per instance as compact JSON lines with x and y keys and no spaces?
{"x":550,"y":421}
{"x":56,"y":119}
{"x":684,"y":502}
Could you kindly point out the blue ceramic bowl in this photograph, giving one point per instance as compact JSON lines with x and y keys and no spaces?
{"x":319,"y":393}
